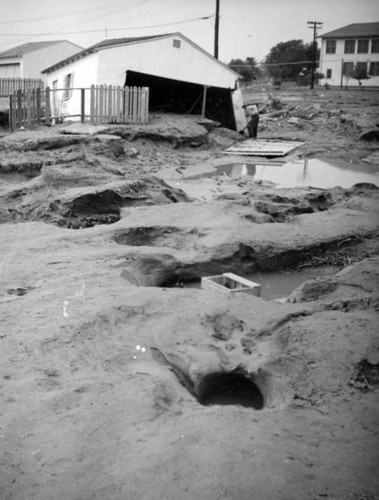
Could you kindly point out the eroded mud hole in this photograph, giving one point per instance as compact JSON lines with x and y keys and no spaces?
{"x":86,"y":206}
{"x":229,"y":389}
{"x":262,"y":265}
{"x":166,"y":236}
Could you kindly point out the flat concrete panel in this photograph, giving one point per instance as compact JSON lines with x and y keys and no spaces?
{"x":254,"y":147}
{"x":230,"y":283}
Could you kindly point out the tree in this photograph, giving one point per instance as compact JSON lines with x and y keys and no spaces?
{"x":360,"y":74}
{"x":248,"y":69}
{"x":282,"y":59}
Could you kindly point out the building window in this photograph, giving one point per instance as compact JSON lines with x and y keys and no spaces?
{"x":330,"y":47}
{"x":374,"y":68}
{"x":363,"y":46}
{"x":328,"y":73}
{"x":349,"y":46}
{"x":176,"y":43}
{"x":375,"y":46}
{"x":68,"y":84}
{"x":361,"y":67}
{"x":348,"y":69}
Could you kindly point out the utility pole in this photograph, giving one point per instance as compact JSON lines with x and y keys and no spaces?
{"x":315,"y":25}
{"x":217,"y":22}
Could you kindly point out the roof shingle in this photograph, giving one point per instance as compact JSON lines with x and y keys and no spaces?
{"x":354,"y":30}
{"x":26,"y":48}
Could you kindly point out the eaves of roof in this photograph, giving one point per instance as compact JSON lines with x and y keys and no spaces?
{"x":107,"y":44}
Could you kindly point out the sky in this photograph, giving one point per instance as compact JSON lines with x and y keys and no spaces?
{"x":248,"y":28}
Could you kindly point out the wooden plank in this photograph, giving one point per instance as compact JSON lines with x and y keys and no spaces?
{"x":101,"y":103}
{"x":254,"y":147}
{"x":118,"y":105}
{"x":47,"y":106}
{"x":92,"y":104}
{"x":135,"y":104}
{"x":204,"y":101}
{"x":19,"y":109}
{"x":126,"y":106}
{"x":11,"y":114}
{"x":110,"y":103}
{"x":82,"y":104}
{"x":38,"y":105}
{"x":33,"y":111}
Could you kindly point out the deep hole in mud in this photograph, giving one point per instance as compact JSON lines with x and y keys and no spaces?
{"x":229,"y":389}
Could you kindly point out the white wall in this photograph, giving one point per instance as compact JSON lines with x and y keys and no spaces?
{"x":85,"y":74}
{"x":158,"y":57}
{"x":334,"y":62}
{"x":38,"y":60}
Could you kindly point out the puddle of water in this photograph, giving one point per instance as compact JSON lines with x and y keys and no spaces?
{"x":280,"y":284}
{"x":309,"y":172}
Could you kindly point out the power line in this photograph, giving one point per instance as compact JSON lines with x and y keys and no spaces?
{"x":110,"y":29}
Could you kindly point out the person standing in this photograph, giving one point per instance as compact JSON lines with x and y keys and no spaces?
{"x":252,"y":115}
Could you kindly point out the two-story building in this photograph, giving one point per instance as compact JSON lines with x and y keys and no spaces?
{"x":350,"y":50}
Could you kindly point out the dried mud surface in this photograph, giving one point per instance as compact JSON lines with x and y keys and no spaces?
{"x":119,"y":382}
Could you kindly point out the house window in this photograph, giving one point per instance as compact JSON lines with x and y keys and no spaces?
{"x":68,"y":84}
{"x":349,"y":46}
{"x":374,"y":68}
{"x":330,"y":47}
{"x":328,"y":73}
{"x":375,"y":46}
{"x":348,"y":68}
{"x":176,"y":43}
{"x":363,"y":46}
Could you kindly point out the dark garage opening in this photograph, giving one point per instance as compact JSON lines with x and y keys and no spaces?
{"x":175,"y":96}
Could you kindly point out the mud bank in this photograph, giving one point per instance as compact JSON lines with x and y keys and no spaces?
{"x":118,"y":382}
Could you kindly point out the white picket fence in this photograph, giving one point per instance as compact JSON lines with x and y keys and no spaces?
{"x":9,"y":86}
{"x":97,"y":104}
{"x":110,"y":104}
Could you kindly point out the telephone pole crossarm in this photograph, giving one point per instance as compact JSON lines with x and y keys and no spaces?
{"x":315,"y":25}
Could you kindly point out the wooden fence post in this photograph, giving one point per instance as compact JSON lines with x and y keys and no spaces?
{"x":101,"y":103}
{"x":19,"y":109}
{"x":38,"y":105}
{"x":82,"y":105}
{"x":47,"y":106}
{"x":92,"y":104}
{"x":11,"y":113}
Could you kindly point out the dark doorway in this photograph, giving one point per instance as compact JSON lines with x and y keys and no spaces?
{"x":175,"y":96}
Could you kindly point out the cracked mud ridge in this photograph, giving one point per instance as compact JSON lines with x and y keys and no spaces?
{"x":122,"y":377}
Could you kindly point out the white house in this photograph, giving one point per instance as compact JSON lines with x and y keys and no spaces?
{"x":182,"y":77}
{"x":29,"y":59}
{"x":352,"y":48}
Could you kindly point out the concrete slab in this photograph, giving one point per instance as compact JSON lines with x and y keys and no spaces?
{"x":254,"y":147}
{"x":231,"y":283}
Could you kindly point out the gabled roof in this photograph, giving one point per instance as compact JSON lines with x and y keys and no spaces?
{"x":26,"y":48}
{"x":354,"y":30}
{"x":114,"y":42}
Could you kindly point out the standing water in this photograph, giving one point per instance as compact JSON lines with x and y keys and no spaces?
{"x":282,"y":283}
{"x":300,"y":173}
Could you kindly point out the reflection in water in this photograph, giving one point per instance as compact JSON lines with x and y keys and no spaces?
{"x":308,"y":172}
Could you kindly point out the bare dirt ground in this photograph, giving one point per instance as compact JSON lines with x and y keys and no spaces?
{"x":117,"y":381}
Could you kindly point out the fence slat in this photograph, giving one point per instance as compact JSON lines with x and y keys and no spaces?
{"x":108,"y":104}
{"x":10,"y":85}
{"x":47,"y":106}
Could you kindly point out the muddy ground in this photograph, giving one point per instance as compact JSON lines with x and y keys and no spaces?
{"x":121,"y":378}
